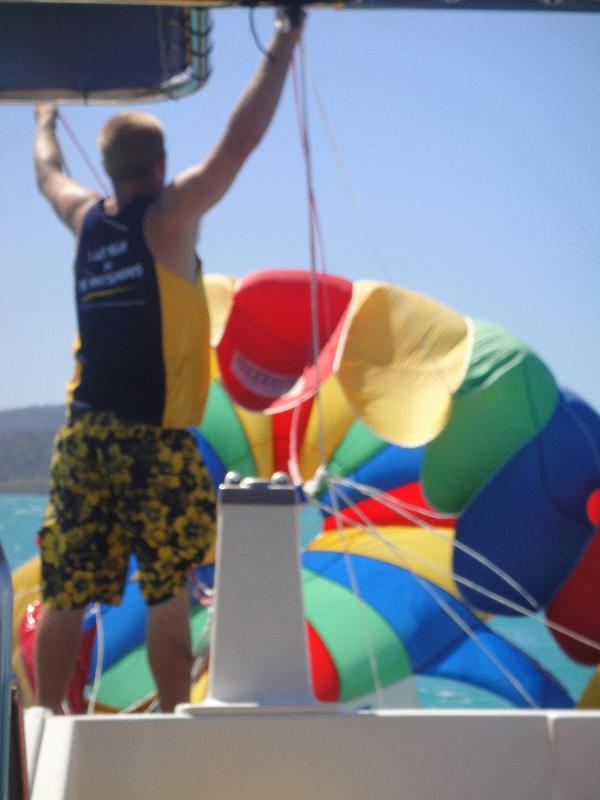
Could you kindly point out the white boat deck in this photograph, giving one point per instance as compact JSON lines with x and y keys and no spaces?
{"x":301,"y":754}
{"x":262,"y":736}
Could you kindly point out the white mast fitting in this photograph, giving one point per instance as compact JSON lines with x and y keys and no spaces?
{"x":259,"y":652}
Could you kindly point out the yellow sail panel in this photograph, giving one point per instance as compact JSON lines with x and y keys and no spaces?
{"x":425,"y":553}
{"x":330,"y":418}
{"x":259,"y":432}
{"x":219,"y":295}
{"x":400,"y":360}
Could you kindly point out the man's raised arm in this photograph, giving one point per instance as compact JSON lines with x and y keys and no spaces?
{"x":198,"y":188}
{"x":68,"y":197}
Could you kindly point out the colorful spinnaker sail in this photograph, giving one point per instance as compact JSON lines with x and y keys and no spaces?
{"x":444,"y":477}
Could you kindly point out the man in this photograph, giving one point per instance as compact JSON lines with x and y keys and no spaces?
{"x":126,"y":474}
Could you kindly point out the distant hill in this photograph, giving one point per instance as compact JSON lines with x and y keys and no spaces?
{"x":25,"y":444}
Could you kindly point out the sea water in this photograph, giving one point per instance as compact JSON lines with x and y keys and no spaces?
{"x":20,"y":519}
{"x":21,"y":516}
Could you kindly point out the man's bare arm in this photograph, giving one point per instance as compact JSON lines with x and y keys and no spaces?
{"x":69,"y":198}
{"x":198,"y":188}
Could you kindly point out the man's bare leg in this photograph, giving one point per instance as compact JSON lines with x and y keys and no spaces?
{"x":170,"y":649}
{"x":57,"y":645}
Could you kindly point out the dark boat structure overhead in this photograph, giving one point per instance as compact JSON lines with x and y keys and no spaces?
{"x":102,"y":53}
{"x":109,"y":52}
{"x":472,"y":5}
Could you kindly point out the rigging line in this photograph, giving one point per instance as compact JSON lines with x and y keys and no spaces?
{"x":299,"y":83}
{"x":402,"y":506}
{"x":345,"y":175}
{"x":26,"y":592}
{"x":420,"y":335}
{"x":199,"y":663}
{"x":302,"y":115}
{"x":293,"y":459}
{"x":255,"y":36}
{"x":394,"y":505}
{"x":104,"y":188}
{"x":455,"y":617}
{"x":315,"y":232}
{"x":403,"y":552}
{"x":143,"y":704}
{"x":472,"y":634}
{"x":367,"y":638}
{"x":298,"y":75}
{"x":200,"y":655}
{"x":516,"y":607}
{"x":99,"y":659}
{"x":299,"y":98}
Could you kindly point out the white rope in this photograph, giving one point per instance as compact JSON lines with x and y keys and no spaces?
{"x":93,"y":698}
{"x":395,"y":504}
{"x":472,"y":634}
{"x":465,"y":627}
{"x":418,"y":333}
{"x":345,"y":175}
{"x":299,"y":78}
{"x":26,"y":592}
{"x":509,"y":604}
{"x":373,"y":666}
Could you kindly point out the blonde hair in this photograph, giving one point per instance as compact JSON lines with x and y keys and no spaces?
{"x":131,"y":144}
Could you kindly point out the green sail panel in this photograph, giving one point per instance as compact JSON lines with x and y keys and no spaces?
{"x":351,"y":634}
{"x":222,"y":429}
{"x":507,"y":396}
{"x":358,"y":446}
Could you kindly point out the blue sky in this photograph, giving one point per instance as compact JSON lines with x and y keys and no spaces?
{"x":472,"y":145}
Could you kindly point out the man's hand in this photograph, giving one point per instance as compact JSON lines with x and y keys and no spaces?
{"x":289,"y":18}
{"x":46,"y":115}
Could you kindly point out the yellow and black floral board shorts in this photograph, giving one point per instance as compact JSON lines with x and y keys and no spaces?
{"x":119,"y":488}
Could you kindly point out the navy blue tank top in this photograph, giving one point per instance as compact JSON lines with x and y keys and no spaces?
{"x":120,"y":364}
